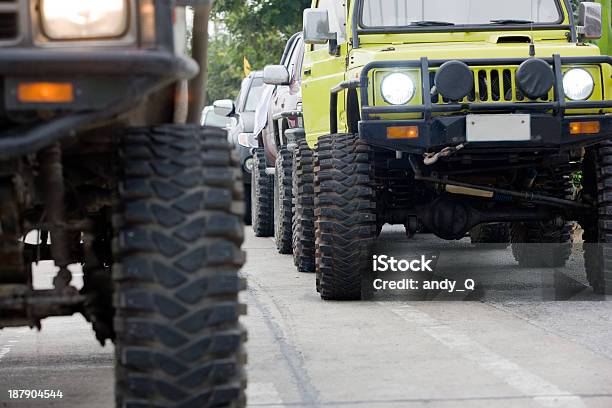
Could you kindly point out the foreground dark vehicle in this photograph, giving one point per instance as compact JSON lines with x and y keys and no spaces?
{"x":102,"y":160}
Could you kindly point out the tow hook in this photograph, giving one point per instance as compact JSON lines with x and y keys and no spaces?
{"x":432,"y":158}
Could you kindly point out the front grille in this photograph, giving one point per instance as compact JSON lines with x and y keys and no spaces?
{"x":491,"y":84}
{"x":8,"y":20}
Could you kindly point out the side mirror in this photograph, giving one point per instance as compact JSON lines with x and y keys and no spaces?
{"x":276,"y":75}
{"x":316,"y":26}
{"x":589,"y":17}
{"x":224,"y":107}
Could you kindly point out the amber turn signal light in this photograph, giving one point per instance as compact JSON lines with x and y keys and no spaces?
{"x":403,"y":132}
{"x":45,"y":92}
{"x":585,"y":128}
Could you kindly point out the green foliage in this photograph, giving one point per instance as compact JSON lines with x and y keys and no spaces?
{"x":577,"y":179}
{"x":256,"y":29}
{"x":224,"y":69}
{"x":575,"y":4}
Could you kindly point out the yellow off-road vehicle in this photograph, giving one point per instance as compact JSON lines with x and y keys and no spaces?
{"x":452,"y":115}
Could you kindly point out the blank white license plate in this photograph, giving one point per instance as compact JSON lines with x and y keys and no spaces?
{"x":498,"y":128}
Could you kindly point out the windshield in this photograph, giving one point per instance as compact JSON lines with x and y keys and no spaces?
{"x":401,"y":13}
{"x":254,"y":95}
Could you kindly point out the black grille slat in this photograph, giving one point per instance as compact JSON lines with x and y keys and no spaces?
{"x":9,"y":25}
{"x":472,"y":95}
{"x":507,"y":83}
{"x":483,"y":85}
{"x":495,"y":86}
{"x":434,"y":98}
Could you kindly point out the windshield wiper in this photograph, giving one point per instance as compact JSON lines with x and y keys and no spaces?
{"x":511,"y":21}
{"x":429,"y":23}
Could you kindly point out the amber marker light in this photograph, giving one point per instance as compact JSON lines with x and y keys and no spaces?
{"x":403,"y":132}
{"x":585,"y":128}
{"x":45,"y":92}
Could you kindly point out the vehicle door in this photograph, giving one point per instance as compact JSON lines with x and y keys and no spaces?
{"x":323,"y":71}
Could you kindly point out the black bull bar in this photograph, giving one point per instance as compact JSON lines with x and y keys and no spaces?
{"x":559,"y":105}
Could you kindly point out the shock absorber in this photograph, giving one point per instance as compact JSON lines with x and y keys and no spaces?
{"x":50,"y":160}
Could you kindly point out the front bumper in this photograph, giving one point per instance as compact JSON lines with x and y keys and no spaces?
{"x":547,"y":132}
{"x":444,"y":125}
{"x":106,"y":83}
{"x":101,"y":78}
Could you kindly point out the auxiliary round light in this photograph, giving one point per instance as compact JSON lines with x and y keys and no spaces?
{"x":535,"y":78}
{"x":454,"y":80}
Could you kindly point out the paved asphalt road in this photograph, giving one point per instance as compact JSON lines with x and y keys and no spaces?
{"x":522,"y":338}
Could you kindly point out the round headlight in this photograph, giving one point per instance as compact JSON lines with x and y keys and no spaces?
{"x":248,"y":165}
{"x":84,"y":19}
{"x":578,"y":84}
{"x":397,"y":88}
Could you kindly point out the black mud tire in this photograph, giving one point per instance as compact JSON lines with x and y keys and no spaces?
{"x":303,"y":237}
{"x":545,"y":244}
{"x":178,"y":229}
{"x":491,"y":236}
{"x":262,"y":196}
{"x":597,"y":188}
{"x":283,"y":202}
{"x":345,"y":216}
{"x":248,"y":219}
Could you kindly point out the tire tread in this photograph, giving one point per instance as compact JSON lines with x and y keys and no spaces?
{"x":177,"y":255}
